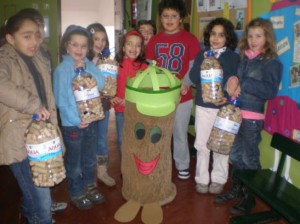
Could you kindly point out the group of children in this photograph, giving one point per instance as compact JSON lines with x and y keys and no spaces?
{"x":26,"y":88}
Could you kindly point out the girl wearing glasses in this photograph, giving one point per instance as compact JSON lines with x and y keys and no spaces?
{"x":80,"y":138}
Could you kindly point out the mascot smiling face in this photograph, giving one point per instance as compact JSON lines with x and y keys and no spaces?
{"x":146,"y":157}
{"x":151,"y":100}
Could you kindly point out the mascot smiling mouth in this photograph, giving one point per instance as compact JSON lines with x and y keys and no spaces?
{"x":145,"y":168}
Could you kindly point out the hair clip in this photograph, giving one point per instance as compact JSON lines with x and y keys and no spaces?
{"x":92,"y":30}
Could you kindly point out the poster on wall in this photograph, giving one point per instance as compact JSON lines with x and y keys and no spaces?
{"x":296,"y":55}
{"x":214,"y":5}
{"x":295,"y":75}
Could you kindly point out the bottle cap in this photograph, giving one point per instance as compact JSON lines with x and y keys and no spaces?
{"x":236,"y":102}
{"x":35,"y":116}
{"x":210,"y":54}
{"x":79,"y":70}
{"x":106,"y":52}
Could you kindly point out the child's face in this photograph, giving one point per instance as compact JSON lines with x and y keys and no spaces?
{"x":77,"y":47}
{"x":147,"y":31}
{"x":217,"y":38}
{"x":132,"y":47}
{"x":171,"y":21}
{"x":256,"y":39}
{"x":27,"y":39}
{"x":99,"y":39}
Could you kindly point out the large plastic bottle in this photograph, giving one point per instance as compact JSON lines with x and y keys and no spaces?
{"x":44,"y":153}
{"x":211,"y":79}
{"x":225,"y":128}
{"x":109,"y":69}
{"x":87,"y":96}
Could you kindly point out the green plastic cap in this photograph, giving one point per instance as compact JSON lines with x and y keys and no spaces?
{"x":155,"y":91}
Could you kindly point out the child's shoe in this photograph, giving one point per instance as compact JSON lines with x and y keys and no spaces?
{"x":202,"y":188}
{"x":215,"y":188}
{"x":93,"y":194}
{"x":82,"y":202}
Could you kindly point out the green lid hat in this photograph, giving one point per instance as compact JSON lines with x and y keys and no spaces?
{"x":155,"y":91}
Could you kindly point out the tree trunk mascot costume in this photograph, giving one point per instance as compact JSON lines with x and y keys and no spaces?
{"x":151,"y":100}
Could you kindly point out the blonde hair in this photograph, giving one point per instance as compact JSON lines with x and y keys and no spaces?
{"x":270,"y":45}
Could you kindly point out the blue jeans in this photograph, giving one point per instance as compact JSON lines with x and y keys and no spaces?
{"x":119,"y":125}
{"x":245,"y":151}
{"x":102,"y":149}
{"x":81,"y":146}
{"x":36,"y":201}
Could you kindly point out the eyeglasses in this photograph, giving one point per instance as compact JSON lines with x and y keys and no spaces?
{"x":76,"y":45}
{"x":145,"y":32}
{"x":170,"y":17}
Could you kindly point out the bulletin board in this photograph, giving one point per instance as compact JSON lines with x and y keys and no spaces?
{"x":239,"y":16}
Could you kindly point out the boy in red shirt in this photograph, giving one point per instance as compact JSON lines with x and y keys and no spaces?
{"x":175,"y":49}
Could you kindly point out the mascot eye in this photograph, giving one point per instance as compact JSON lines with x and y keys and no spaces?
{"x":155,"y":134}
{"x":139,"y":131}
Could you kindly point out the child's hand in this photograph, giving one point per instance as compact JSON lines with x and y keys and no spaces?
{"x":83,"y":125}
{"x":43,"y":114}
{"x":221,"y":101}
{"x":233,"y":87}
{"x":184,"y":89}
{"x":117,"y":101}
{"x":236,"y":92}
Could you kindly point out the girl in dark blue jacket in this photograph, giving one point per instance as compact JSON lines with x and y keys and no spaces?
{"x":259,"y":76}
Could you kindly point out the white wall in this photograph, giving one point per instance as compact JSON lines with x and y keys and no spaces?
{"x":85,"y":12}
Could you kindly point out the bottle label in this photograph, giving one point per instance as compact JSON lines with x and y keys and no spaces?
{"x":227,"y":125}
{"x":86,"y":94}
{"x":108,"y":70}
{"x":44,"y":151}
{"x":211,"y":75}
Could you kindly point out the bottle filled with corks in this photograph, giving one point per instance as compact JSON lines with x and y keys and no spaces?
{"x":109,"y":69}
{"x":87,"y":96}
{"x":225,"y":128}
{"x":211,"y":79}
{"x":44,"y":152}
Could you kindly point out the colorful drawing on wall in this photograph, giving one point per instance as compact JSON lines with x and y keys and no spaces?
{"x":295,"y":75}
{"x":240,"y":16}
{"x":214,"y":5}
{"x":296,"y":55}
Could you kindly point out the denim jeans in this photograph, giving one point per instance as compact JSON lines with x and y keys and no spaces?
{"x":119,"y":125}
{"x":36,"y":201}
{"x":102,"y":149}
{"x":81,"y":146}
{"x":245,"y":151}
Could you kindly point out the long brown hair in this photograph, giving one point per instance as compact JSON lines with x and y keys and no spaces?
{"x":270,"y":45}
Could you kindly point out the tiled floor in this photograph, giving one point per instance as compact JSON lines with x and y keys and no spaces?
{"x":187,"y":207}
